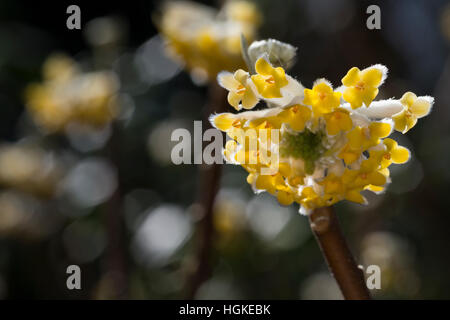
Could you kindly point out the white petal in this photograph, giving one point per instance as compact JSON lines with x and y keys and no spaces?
{"x":381,"y":109}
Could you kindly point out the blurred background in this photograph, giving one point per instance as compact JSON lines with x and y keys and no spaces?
{"x":101,"y":192}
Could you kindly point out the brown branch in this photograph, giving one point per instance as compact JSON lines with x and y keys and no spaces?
{"x":342,"y":265}
{"x":209,"y":183}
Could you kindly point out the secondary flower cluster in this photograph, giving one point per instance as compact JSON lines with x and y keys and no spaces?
{"x":69,"y":95}
{"x":29,"y":168}
{"x":208,"y":41}
{"x":333,"y":143}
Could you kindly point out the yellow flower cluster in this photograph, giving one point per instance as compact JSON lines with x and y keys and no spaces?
{"x":328,"y":146}
{"x":207,"y":41}
{"x":69,"y":95}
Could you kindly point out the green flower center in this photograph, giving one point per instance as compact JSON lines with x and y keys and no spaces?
{"x":305,"y":145}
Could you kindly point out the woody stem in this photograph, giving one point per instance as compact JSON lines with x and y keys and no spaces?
{"x":342,"y":265}
{"x":209,"y":183}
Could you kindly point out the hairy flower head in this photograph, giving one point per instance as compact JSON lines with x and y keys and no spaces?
{"x":314,"y":146}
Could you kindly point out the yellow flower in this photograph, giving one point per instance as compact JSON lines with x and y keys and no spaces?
{"x":413,"y":108}
{"x":205,"y":40}
{"x":337,"y":188}
{"x":368,"y":174}
{"x":392,"y":153}
{"x":362,"y":138}
{"x":349,"y":155}
{"x":243,"y":11}
{"x":69,"y":95}
{"x":239,"y":89}
{"x":333,"y":185}
{"x":296,"y":116}
{"x":365,"y":138}
{"x":275,"y":185}
{"x":338,"y":121}
{"x":322,"y":98}
{"x":310,"y":199}
{"x":269,"y":80}
{"x":362,"y":86}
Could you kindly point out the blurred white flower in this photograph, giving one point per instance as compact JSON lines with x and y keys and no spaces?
{"x":164,"y":230}
{"x":90,"y":183}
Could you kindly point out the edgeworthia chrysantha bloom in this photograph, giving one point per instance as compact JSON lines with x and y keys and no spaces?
{"x":313,"y":146}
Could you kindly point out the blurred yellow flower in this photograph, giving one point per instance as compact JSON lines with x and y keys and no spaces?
{"x":29,"y":169}
{"x":309,"y":146}
{"x":68,"y":95}
{"x":205,"y":40}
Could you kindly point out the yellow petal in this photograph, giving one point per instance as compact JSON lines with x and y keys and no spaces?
{"x":373,"y":188}
{"x":355,"y":138}
{"x":369,"y":95}
{"x":385,"y":172}
{"x":285,"y":198}
{"x":420,"y":108}
{"x":353,"y":96}
{"x":323,"y":87}
{"x":284,"y":169}
{"x":333,"y":187}
{"x":230,"y":149}
{"x":234,"y":99}
{"x":251,"y":178}
{"x":308,"y":192}
{"x":337,"y":121}
{"x":400,"y":155}
{"x":410,"y":123}
{"x":349,"y":156}
{"x":352,"y":77}
{"x":400,"y":121}
{"x":408,"y":99}
{"x":249,"y":100}
{"x":223,"y":121}
{"x":268,"y":91}
{"x":355,"y":196}
{"x":262,"y":66}
{"x":227,"y":81}
{"x":390,"y":144}
{"x":372,"y":77}
{"x":333,"y":127}
{"x":380,"y":129}
{"x":297,"y":117}
{"x":346,"y":122}
{"x":308,"y":93}
{"x":280,"y":77}
{"x":241,"y":76}
{"x":265,"y":182}
{"x":376,"y":178}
